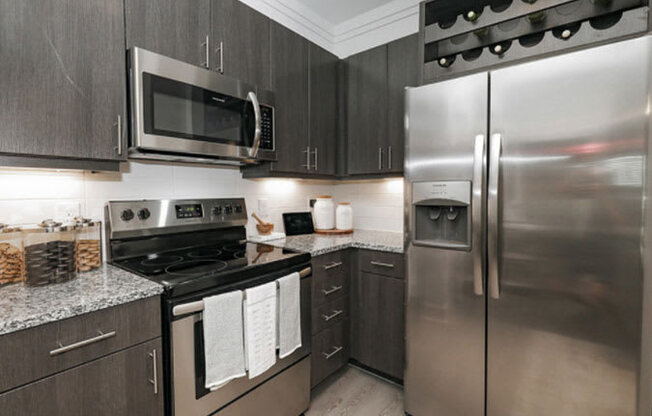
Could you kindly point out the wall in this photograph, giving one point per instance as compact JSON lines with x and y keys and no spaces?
{"x":28,"y":196}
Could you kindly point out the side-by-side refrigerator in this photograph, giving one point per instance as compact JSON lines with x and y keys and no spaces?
{"x":528,"y":239}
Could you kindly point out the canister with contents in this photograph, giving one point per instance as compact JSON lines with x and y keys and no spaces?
{"x":88,"y":252}
{"x":12,"y":260}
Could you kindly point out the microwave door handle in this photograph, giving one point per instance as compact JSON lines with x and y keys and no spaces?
{"x":253,"y":152}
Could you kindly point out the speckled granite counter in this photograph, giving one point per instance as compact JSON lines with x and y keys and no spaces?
{"x":23,"y":307}
{"x":317,"y":244}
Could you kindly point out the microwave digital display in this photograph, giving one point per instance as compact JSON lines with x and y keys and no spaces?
{"x":189,"y":211}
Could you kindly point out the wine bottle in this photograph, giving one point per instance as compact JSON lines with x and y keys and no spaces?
{"x":473,"y":14}
{"x":500,"y":48}
{"x":537,"y":18}
{"x":446,"y":61}
{"x":446,"y":22}
{"x":481,"y":33}
{"x":567,"y":31}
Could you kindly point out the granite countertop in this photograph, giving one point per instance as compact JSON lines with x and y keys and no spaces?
{"x":317,"y":244}
{"x":23,"y":307}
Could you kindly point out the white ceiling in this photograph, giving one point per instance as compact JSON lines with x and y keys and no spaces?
{"x":344,"y":27}
{"x":337,"y":11}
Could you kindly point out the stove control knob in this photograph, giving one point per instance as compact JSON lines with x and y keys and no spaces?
{"x":217,"y":210}
{"x":238,"y":209}
{"x":144,"y":213}
{"x":127,"y":215}
{"x":228,"y":209}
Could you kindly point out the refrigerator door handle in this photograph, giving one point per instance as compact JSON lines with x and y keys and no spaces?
{"x":479,"y":163}
{"x":492,"y":214}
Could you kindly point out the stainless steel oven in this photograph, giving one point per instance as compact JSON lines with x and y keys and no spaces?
{"x":186,"y":113}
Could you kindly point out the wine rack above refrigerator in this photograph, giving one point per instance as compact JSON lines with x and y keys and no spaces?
{"x":465,"y":36}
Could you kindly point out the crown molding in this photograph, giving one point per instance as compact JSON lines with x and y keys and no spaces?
{"x":378,"y":26}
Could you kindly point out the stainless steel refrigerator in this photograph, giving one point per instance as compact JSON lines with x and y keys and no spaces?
{"x":528,"y":239}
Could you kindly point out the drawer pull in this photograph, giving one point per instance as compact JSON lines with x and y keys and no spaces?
{"x":333,"y":265}
{"x":381,"y":264}
{"x":334,"y":315}
{"x":63,"y":349}
{"x":335,"y":351}
{"x":154,"y":379}
{"x":331,"y":290}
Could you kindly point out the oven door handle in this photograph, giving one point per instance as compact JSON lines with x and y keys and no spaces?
{"x":253,"y":152}
{"x":198,"y":306}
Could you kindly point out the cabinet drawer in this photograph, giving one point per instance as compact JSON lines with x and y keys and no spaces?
{"x":329,"y":314}
{"x":386,"y":264}
{"x":330,"y":352}
{"x":330,"y":277}
{"x":128,"y":382}
{"x":54,"y":347}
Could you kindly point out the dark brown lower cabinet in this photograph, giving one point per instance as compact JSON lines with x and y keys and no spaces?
{"x":330,"y":352}
{"x":128,"y":382}
{"x":378,"y":323}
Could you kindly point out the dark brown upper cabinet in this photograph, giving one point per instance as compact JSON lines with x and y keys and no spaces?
{"x":402,"y":72}
{"x":62,"y":84}
{"x":175,"y":28}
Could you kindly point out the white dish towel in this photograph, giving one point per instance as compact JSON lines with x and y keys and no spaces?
{"x":260,"y":328}
{"x":289,"y":314}
{"x":223,"y":339}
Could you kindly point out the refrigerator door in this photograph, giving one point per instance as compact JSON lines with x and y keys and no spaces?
{"x":445,"y":168}
{"x":566,"y":177}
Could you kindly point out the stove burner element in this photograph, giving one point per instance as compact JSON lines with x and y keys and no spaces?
{"x":196,"y":267}
{"x":239,"y":254}
{"x":161,"y":261}
{"x":205,"y":252}
{"x":232,"y":248}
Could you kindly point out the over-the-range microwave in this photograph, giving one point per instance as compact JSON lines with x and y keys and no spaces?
{"x":181,"y":112}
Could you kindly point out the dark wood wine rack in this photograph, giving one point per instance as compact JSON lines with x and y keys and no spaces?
{"x":452,"y":45}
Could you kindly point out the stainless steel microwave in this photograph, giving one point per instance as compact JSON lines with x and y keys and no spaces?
{"x":182,"y":112}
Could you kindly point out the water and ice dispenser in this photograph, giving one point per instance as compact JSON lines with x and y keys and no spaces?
{"x":442,"y":214}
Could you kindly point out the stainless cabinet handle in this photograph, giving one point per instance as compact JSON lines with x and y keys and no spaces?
{"x":380,"y":264}
{"x":335,"y":351}
{"x":207,"y":52}
{"x":63,"y":349}
{"x":316,"y":157}
{"x":118,"y":149}
{"x":154,"y":379}
{"x":220,"y":53}
{"x":477,"y":222}
{"x":380,"y":158}
{"x":389,"y":157}
{"x":331,"y":290}
{"x":335,"y":314}
{"x":307,"y":152}
{"x":492,"y":214}
{"x":258,"y":129}
{"x":333,"y":265}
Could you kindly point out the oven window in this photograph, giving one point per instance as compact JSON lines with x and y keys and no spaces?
{"x":185,"y":111}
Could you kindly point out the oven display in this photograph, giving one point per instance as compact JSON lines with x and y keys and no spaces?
{"x":189,"y":211}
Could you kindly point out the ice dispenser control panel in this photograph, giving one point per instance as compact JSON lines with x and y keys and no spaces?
{"x":442,"y":214}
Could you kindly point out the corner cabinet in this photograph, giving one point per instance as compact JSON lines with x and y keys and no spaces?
{"x":62,"y":84}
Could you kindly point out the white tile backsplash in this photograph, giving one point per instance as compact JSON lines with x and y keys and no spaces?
{"x":28,"y":196}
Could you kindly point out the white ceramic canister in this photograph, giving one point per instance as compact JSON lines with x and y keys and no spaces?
{"x":344,"y":216}
{"x":324,"y":213}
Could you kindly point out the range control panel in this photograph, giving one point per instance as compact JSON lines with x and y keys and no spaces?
{"x":136,"y":218}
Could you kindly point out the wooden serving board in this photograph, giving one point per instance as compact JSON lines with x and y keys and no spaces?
{"x":333,"y":232}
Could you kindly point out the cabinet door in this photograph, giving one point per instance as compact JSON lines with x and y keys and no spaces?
{"x":402,"y":71}
{"x":367,"y":108}
{"x":378,"y":323}
{"x":323,"y":110}
{"x":244,"y":37}
{"x":119,"y":384}
{"x":290,"y":84}
{"x":174,"y":28}
{"x":62,"y":78}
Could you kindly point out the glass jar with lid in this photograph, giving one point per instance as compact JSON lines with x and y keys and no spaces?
{"x":12,"y":260}
{"x":49,"y":253}
{"x":88,"y":251}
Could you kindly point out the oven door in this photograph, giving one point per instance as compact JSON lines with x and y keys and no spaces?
{"x":190,"y":398}
{"x":183,"y":110}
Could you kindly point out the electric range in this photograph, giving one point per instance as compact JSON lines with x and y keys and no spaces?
{"x":195,"y":249}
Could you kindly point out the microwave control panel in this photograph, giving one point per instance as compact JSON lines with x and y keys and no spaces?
{"x":267,"y":127}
